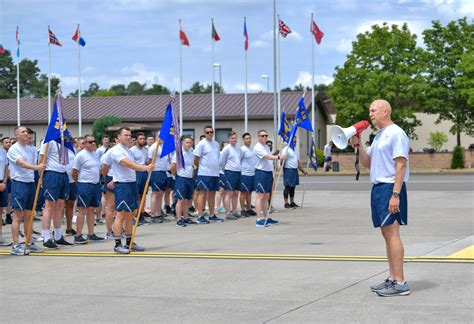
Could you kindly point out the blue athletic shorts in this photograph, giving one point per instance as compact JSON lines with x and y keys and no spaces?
{"x":290,"y":177}
{"x":170,"y":183}
{"x":222,"y":180}
{"x":126,"y":196}
{"x":72,"y":193}
{"x":4,"y":196}
{"x":142,"y":176}
{"x":56,"y":185}
{"x":263,"y":181}
{"x":22,"y":195}
{"x":379,"y":199}
{"x":9,"y":185}
{"x":183,"y":188}
{"x":232,"y":180}
{"x":159,"y":181}
{"x":88,"y":195}
{"x":247,"y":184}
{"x":207,"y":183}
{"x":106,"y":182}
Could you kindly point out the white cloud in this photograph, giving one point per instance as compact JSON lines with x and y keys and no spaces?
{"x":259,"y":44}
{"x":138,"y":72}
{"x":345,"y":45}
{"x":295,"y":35}
{"x":304,"y":78}
{"x":255,"y":87}
{"x":452,"y":8}
{"x":414,"y":27}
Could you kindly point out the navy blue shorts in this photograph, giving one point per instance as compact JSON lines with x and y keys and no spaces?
{"x":328,"y":159}
{"x":107,"y":180}
{"x":23,"y":195}
{"x":170,"y":183}
{"x":207,"y":183}
{"x":232,"y":180}
{"x":379,"y":200}
{"x":72,"y":193}
{"x":88,"y":195}
{"x":159,"y":181}
{"x":183,"y":188}
{"x":221,"y":180}
{"x":9,"y":185}
{"x":263,"y":181}
{"x":126,"y":196}
{"x":247,"y":184}
{"x":142,"y":177}
{"x":4,"y":197}
{"x":290,"y":177}
{"x":56,"y":185}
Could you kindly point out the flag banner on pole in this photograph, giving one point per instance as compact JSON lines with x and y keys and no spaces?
{"x":215,"y":35}
{"x":2,"y":50}
{"x":246,"y":35}
{"x":167,"y":132}
{"x":183,"y":38}
{"x":292,"y":139}
{"x":283,"y":28}
{"x":301,"y":117}
{"x":77,"y":37}
{"x":53,"y":39}
{"x":177,"y":138}
{"x":285,"y":129}
{"x":313,"y":156}
{"x":57,"y":131}
{"x":17,"y":43}
{"x":318,"y":34}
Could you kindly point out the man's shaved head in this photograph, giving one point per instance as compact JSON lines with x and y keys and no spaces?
{"x":383,"y":105}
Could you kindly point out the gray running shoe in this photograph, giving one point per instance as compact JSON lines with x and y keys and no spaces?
{"x":137,"y":248}
{"x":4,"y":242}
{"x":109,"y":236}
{"x":120,"y":249}
{"x":79,"y":239}
{"x":230,"y":216}
{"x":19,"y":250}
{"x":95,"y":238}
{"x":394,"y":289}
{"x":381,"y":285}
{"x":34,"y":248}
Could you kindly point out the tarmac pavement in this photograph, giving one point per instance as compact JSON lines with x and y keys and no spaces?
{"x":237,"y":273}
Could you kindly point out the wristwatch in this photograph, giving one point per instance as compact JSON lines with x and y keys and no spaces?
{"x":396,"y":194}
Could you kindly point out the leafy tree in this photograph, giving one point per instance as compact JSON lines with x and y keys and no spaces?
{"x":384,"y":63}
{"x":449,"y":74}
{"x":157,"y":89}
{"x":458,"y":158}
{"x":119,"y":89}
{"x":7,"y":76}
{"x":437,"y":140}
{"x":100,"y":125}
{"x":135,"y":88}
{"x":197,"y":88}
{"x":92,"y":91}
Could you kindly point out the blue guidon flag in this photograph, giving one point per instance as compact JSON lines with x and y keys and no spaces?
{"x":302,"y":119}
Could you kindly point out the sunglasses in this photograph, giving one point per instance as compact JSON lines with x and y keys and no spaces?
{"x":263,"y":135}
{"x":211,"y":132}
{"x":91,"y":142}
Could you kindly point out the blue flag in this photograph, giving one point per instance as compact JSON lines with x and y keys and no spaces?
{"x":292,"y":137}
{"x":284,"y":130}
{"x":301,"y":117}
{"x":313,"y":156}
{"x":57,"y":131}
{"x":167,"y":132}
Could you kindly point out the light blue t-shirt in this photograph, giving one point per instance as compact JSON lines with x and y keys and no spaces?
{"x":88,"y":165}
{"x":28,"y":154}
{"x":122,"y":173}
{"x":208,"y":153}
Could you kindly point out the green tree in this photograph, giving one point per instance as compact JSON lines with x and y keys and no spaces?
{"x":457,"y":161}
{"x":449,"y":70}
{"x":7,"y":76}
{"x":157,"y":89}
{"x":119,"y":89}
{"x":100,"y":125}
{"x":197,"y":88}
{"x":92,"y":91}
{"x":384,"y":63}
{"x":135,"y":88}
{"x":437,"y":140}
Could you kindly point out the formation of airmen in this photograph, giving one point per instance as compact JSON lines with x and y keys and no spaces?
{"x":106,"y":184}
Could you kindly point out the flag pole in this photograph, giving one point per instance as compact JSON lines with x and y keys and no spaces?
{"x":17,"y":80}
{"x":279,"y":76}
{"x":79,"y":73}
{"x":181,"y":80}
{"x":49,"y":76}
{"x":312,"y":79}
{"x":275,"y":122}
{"x":246,"y":85}
{"x":212,"y":86}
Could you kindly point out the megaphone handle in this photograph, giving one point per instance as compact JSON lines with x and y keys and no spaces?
{"x":357,"y":167}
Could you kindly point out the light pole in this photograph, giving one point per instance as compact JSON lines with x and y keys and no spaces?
{"x":264,"y":76}
{"x":218,"y":65}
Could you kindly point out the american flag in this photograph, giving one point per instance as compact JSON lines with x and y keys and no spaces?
{"x":283,"y":28}
{"x":53,"y":39}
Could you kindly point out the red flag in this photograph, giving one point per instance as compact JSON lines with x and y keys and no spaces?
{"x":183,"y":38}
{"x":53,"y":39}
{"x":318,"y":34}
{"x":215,"y":35}
{"x":2,"y":50}
{"x":283,"y":28}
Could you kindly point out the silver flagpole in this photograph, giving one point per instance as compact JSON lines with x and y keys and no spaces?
{"x":246,"y":89}
{"x":212,"y":86}
{"x":49,"y":77}
{"x":279,"y":76}
{"x":181,"y":80}
{"x":312,"y":78}
{"x":275,"y":118}
{"x":17,"y":83}
{"x":79,"y":73}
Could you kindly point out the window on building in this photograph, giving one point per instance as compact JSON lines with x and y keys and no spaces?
{"x":221,"y":134}
{"x":189,"y":131}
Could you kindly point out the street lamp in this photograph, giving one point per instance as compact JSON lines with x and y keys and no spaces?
{"x":218,"y":65}
{"x":264,"y":76}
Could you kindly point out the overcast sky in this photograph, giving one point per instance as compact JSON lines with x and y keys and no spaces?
{"x":137,"y":40}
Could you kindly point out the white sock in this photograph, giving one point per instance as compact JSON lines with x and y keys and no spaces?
{"x":401,"y":283}
{"x":57,"y":234}
{"x":46,"y":235}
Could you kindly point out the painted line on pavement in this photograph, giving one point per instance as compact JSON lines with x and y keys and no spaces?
{"x":464,"y":253}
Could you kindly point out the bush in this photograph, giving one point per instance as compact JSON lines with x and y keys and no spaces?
{"x":100,"y":125}
{"x":437,"y":140}
{"x":320,"y":154}
{"x":458,"y":158}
